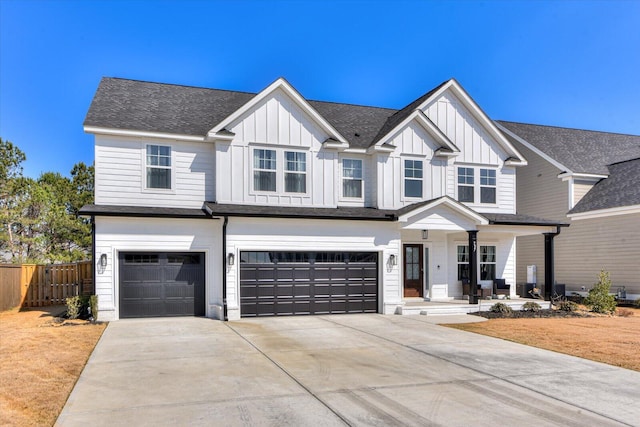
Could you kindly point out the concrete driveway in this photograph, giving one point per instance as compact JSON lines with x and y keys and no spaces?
{"x":338,"y":370}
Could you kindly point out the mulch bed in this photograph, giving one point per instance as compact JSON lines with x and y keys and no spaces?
{"x":536,"y":314}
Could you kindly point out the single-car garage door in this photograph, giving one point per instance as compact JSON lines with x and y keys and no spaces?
{"x":294,"y":283}
{"x":161,"y":284}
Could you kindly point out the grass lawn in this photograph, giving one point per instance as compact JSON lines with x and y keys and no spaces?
{"x":40,"y":362}
{"x":609,"y":339}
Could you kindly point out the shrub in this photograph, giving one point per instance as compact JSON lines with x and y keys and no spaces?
{"x":625,"y":312}
{"x":501,"y":307}
{"x":567,"y":306}
{"x":93,"y":307}
{"x":531,"y":306}
{"x":599,"y":300}
{"x":636,"y":304}
{"x":74,"y":307}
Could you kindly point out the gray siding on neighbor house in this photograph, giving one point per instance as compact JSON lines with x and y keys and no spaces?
{"x":580,"y":188}
{"x":540,"y":193}
{"x":590,"y":245}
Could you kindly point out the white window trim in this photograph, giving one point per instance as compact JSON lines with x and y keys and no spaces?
{"x":480,"y":244}
{"x":255,"y":169}
{"x":480,"y":185}
{"x":305,"y":173}
{"x":404,"y":179}
{"x":476,"y":184}
{"x":280,"y":171}
{"x":147,"y":189}
{"x":494,"y":263}
{"x":342,"y":178}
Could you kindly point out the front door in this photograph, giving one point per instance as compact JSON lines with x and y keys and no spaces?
{"x":413,"y":271}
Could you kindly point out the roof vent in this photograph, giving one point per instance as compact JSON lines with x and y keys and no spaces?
{"x":356,"y":134}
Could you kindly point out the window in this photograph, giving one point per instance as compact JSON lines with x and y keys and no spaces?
{"x":352,"y":178}
{"x":264,"y":170}
{"x":141,"y":259}
{"x":158,"y":166}
{"x":463,"y":262}
{"x":487,"y":262}
{"x":295,"y":176}
{"x":487,"y":186}
{"x":465,"y":185}
{"x":413,"y":178}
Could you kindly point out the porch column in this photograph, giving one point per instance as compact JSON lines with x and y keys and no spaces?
{"x":548,"y":265}
{"x":473,"y":266}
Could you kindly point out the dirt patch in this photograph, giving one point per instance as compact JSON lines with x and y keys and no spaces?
{"x":609,"y":339}
{"x":41,"y":357}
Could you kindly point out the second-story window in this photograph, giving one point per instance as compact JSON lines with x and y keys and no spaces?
{"x":487,"y":186}
{"x":264,"y":170}
{"x":465,"y":185}
{"x":413,"y":178}
{"x":352,"y":178}
{"x":295,"y":174}
{"x":158,"y":166}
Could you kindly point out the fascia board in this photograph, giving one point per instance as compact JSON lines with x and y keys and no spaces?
{"x":135,"y":133}
{"x":565,"y":176}
{"x":535,"y":149}
{"x":603,"y":213}
{"x":481,"y":220}
{"x":294,"y":95}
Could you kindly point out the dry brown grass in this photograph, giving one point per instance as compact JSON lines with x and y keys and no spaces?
{"x":609,"y":339}
{"x":40,"y":363}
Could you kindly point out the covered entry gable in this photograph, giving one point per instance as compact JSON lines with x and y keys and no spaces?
{"x":443,"y":213}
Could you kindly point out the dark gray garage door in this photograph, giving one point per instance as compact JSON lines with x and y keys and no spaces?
{"x":161,"y":284}
{"x":294,"y":283}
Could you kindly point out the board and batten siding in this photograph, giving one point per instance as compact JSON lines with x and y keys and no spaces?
{"x":591,"y":245}
{"x":461,"y":127}
{"x":276,"y":123}
{"x":120,"y":173}
{"x":272,"y":234}
{"x":115,"y":235}
{"x":412,"y":143}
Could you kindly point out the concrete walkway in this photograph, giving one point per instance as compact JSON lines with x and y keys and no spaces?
{"x":338,"y":370}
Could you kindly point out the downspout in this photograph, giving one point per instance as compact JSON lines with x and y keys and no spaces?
{"x":549,"y":273}
{"x":224,"y":268}
{"x":93,"y":255}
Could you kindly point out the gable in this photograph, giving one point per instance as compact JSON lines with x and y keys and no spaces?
{"x":277,"y":119}
{"x":460,"y":125}
{"x":414,"y":139}
{"x":442,"y":217}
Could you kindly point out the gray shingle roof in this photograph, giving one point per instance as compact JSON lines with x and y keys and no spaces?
{"x":621,"y":188}
{"x":582,"y":151}
{"x":158,"y":107}
{"x":143,"y":211}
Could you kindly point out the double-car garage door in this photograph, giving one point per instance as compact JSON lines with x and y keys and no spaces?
{"x":156,"y":284}
{"x":295,"y":283}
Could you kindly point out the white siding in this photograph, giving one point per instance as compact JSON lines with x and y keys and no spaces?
{"x":290,"y":234}
{"x":276,"y":123}
{"x":120,"y":166}
{"x":461,"y":127}
{"x":114,"y":235}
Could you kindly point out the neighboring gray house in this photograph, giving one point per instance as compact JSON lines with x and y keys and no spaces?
{"x":591,"y":180}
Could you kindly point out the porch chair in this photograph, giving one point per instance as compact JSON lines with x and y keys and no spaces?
{"x":480,"y":291}
{"x":500,"y":287}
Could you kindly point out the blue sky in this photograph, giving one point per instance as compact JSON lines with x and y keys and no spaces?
{"x":562,"y":63}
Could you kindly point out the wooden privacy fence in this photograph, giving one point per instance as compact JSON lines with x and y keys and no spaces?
{"x":41,"y":285}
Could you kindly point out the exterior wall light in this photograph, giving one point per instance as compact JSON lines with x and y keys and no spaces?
{"x":231,"y":258}
{"x":425,"y":234}
{"x":392,"y":260}
{"x":103,"y":260}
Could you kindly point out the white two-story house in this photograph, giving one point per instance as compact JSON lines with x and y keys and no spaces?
{"x":232,"y":204}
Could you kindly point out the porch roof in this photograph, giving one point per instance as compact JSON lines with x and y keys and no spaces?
{"x":520,"y":219}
